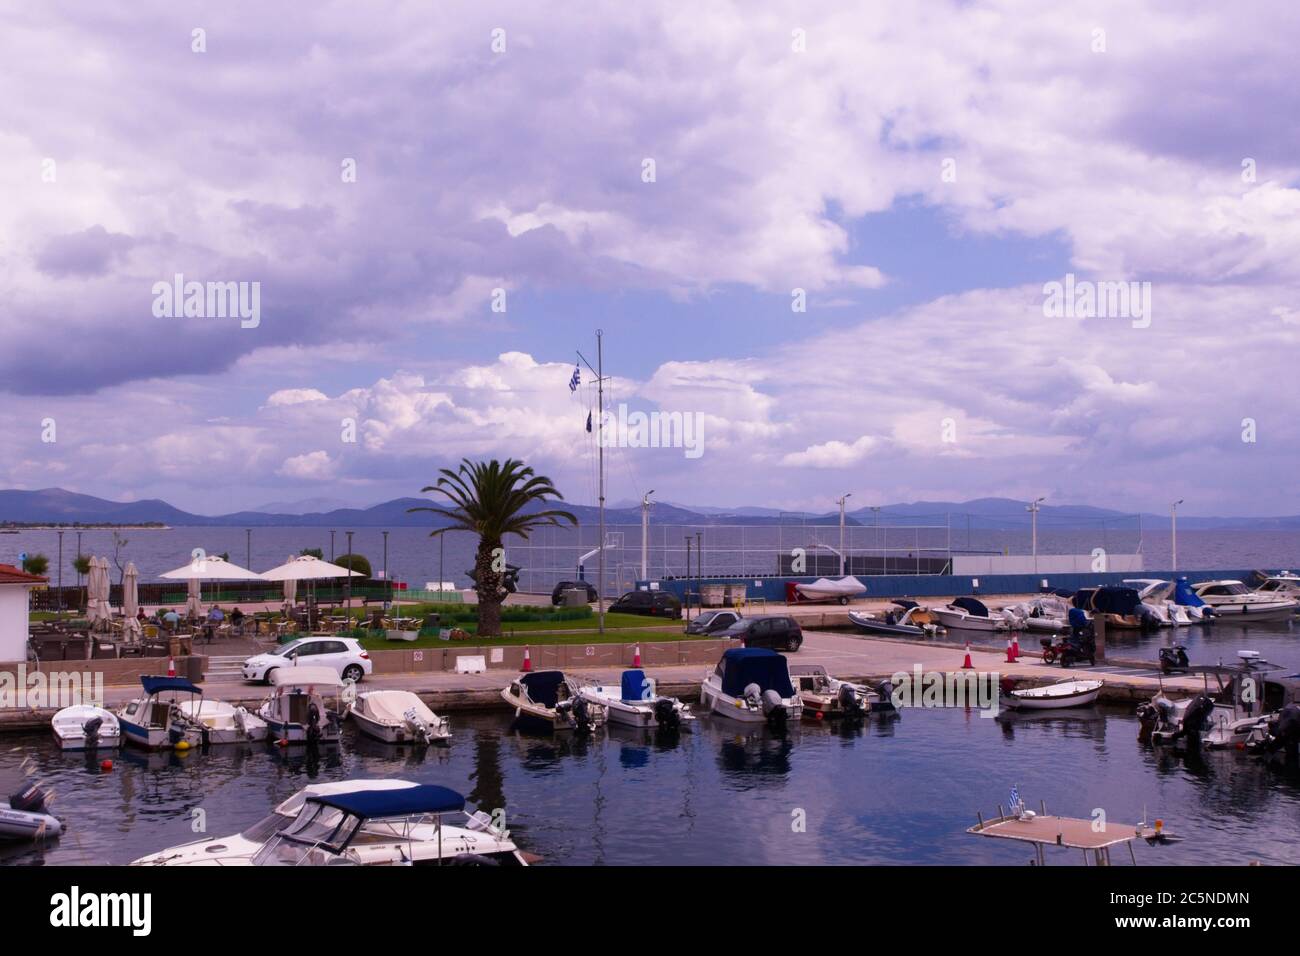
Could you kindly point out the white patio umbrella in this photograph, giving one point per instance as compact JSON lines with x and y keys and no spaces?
{"x":207,"y":567}
{"x":131,"y":602}
{"x":307,"y":567}
{"x":97,"y":591}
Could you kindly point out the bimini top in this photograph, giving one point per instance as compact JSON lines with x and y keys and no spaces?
{"x":302,"y":676}
{"x":742,"y":666}
{"x":971,"y":606}
{"x":1122,"y":601}
{"x":154,"y":685}
{"x":634,"y":686}
{"x":543,"y":687}
{"x":393,"y":803}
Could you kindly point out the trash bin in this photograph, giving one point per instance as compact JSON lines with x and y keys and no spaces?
{"x":433,"y":620}
{"x":573,"y":597}
{"x":736,"y":594}
{"x":711,"y":595}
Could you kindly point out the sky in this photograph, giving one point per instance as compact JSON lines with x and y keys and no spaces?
{"x":823,"y":235}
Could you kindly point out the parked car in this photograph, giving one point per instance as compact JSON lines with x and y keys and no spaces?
{"x":776,"y":633}
{"x":343,"y":654}
{"x":557,"y":595}
{"x":652,"y":603}
{"x":711,"y":622}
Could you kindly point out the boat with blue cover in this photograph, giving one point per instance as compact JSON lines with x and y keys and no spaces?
{"x":173,"y":713}
{"x":752,"y":684}
{"x":636,"y":702}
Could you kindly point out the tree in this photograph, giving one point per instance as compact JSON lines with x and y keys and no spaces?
{"x":312,"y":553}
{"x":36,"y":564}
{"x":490,"y":499}
{"x":355,"y":563}
{"x":119,"y":543}
{"x":82,"y":565}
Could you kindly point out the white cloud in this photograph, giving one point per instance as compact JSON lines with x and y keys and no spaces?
{"x":313,"y":466}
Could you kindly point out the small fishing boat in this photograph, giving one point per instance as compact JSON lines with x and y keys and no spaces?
{"x":824,"y":589}
{"x":911,"y":620}
{"x":970,"y":614}
{"x":86,"y":727}
{"x":398,"y":716}
{"x":359,"y":823}
{"x":26,"y":815}
{"x":296,"y":711}
{"x":752,"y":684}
{"x":220,"y":722}
{"x":1066,"y":693}
{"x":636,"y":702}
{"x":549,"y":701}
{"x":154,"y":721}
{"x":824,"y":696}
{"x":1232,"y":599}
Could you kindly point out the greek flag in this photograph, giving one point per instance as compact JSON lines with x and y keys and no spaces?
{"x":576,"y":380}
{"x":1015,"y":796}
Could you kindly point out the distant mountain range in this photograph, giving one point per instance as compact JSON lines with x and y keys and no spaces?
{"x":55,"y":505}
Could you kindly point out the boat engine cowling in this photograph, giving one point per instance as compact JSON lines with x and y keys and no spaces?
{"x":849,"y":701}
{"x":666,"y":715}
{"x":582,"y":714}
{"x":773,"y":707}
{"x":885,"y":690}
{"x":30,"y":799}
{"x":91,"y":728}
{"x":753,"y":695}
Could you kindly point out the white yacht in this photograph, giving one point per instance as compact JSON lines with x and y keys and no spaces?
{"x":1284,"y":584}
{"x":636,"y":702}
{"x":1233,"y":600}
{"x":357,"y":823}
{"x":1157,"y":600}
{"x":970,"y":614}
{"x":752,"y":684}
{"x":398,"y":716}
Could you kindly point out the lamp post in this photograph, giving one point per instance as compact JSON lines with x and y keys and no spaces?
{"x":875,"y":514}
{"x":845,"y":497}
{"x":60,"y":572}
{"x":1173,"y":533}
{"x":349,"y":577}
{"x":645,"y":534}
{"x":1032,"y":508}
{"x":388,"y":588}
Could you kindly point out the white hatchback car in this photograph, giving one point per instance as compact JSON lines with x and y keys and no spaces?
{"x":344,"y":654}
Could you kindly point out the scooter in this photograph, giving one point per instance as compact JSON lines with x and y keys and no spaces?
{"x":1077,"y":647}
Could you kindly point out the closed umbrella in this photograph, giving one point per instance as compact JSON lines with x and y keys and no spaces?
{"x":290,"y":589}
{"x":194,"y":599}
{"x":97,"y":594}
{"x":131,"y":602}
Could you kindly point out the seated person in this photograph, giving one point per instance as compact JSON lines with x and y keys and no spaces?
{"x":171,"y":619}
{"x":236,"y":616}
{"x":216,"y":615}
{"x":141,"y":616}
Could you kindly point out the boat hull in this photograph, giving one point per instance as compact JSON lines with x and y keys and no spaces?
{"x":954,"y":620}
{"x":1079,"y":694}
{"x":68,"y":727}
{"x":871,"y":625}
{"x":714,"y":700}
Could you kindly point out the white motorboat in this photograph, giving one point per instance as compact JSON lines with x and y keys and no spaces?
{"x":824,"y":696}
{"x":911,"y":620}
{"x":26,"y":815}
{"x":358,"y":823}
{"x":398,"y":716}
{"x":155,"y":720}
{"x":824,"y":589}
{"x":296,"y":711}
{"x":1157,"y":601}
{"x":1232,"y":599}
{"x":1066,"y":693}
{"x":1045,"y":614}
{"x":636,"y":702}
{"x":549,"y":701}
{"x":1284,"y":584}
{"x":86,"y":727}
{"x":752,"y":684}
{"x":970,"y":614}
{"x":220,"y":722}
{"x":1233,"y":711}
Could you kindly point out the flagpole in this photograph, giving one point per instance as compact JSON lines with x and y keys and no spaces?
{"x":600,"y":450}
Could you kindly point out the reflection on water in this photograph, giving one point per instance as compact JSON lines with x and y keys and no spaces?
{"x":899,"y":791}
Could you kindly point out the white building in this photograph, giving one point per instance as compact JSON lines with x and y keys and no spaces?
{"x":15,"y":586}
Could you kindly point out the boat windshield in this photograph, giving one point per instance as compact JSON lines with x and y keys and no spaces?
{"x":1232,"y":587}
{"x":316,"y":837}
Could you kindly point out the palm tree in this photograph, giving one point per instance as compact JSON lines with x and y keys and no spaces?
{"x":489,"y":498}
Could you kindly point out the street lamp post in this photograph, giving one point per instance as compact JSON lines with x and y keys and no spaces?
{"x":1032,"y":508}
{"x":60,"y":572}
{"x":388,"y":588}
{"x":645,"y":535}
{"x":845,"y":497}
{"x":1173,"y":533}
{"x":350,"y":564}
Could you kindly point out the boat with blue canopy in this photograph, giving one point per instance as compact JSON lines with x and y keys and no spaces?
{"x":752,"y":684}
{"x":173,"y":713}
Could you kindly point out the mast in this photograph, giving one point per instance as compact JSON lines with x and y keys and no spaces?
{"x":600,"y":450}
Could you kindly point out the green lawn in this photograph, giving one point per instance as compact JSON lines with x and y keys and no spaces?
{"x":534,"y":638}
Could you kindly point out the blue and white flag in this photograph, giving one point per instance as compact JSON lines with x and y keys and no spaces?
{"x":576,"y":380}
{"x":588,"y":421}
{"x":1015,"y":795}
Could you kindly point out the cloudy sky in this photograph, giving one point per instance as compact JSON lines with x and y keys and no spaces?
{"x":672,"y":174}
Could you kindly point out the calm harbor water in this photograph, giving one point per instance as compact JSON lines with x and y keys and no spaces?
{"x":900,"y":792}
{"x":413,"y":556}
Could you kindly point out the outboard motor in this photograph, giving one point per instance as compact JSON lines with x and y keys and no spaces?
{"x":885,"y":690}
{"x":313,"y":724}
{"x":666,"y":715}
{"x":30,"y":799}
{"x":1195,"y":718}
{"x":753,"y":695}
{"x":774,"y":708}
{"x":582,"y":715}
{"x":419,"y":729}
{"x":91,"y":729}
{"x":1173,"y":658}
{"x":1283,"y":733}
{"x":849,"y":702}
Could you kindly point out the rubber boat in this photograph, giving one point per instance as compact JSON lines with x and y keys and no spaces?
{"x":86,"y":727}
{"x":549,"y":701}
{"x":359,"y":823}
{"x":970,"y":614}
{"x":1066,"y":693}
{"x":636,"y":702}
{"x":26,"y":815}
{"x":398,"y":716}
{"x":752,"y":684}
{"x":1232,"y":599}
{"x":824,"y":589}
{"x":296,"y":711}
{"x":911,"y":620}
{"x":824,"y":696}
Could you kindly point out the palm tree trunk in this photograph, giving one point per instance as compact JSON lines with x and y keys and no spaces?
{"x":488,"y":588}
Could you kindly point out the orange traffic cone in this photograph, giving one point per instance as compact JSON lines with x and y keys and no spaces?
{"x":171,"y":667}
{"x":528,"y":661}
{"x":967,"y":665}
{"x":1015,"y":648}
{"x":1011,"y":652}
{"x":636,"y":656}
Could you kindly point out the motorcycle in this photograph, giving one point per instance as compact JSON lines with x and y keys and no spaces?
{"x":1073,"y":649}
